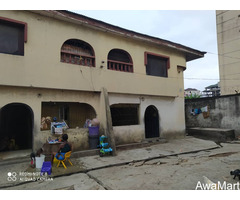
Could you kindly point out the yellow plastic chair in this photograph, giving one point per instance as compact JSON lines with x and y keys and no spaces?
{"x":66,"y":157}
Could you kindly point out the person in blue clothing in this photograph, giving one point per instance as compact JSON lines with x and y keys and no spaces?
{"x":63,"y":148}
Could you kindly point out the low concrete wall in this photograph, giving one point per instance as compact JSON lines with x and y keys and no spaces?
{"x":78,"y":137}
{"x":224,"y":113}
{"x":129,"y":134}
{"x":136,"y":134}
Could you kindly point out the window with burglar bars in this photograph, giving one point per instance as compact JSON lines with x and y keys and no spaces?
{"x":124,"y":114}
{"x":77,"y":52}
{"x":120,"y":60}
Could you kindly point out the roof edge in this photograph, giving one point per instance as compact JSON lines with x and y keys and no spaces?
{"x":191,"y":54}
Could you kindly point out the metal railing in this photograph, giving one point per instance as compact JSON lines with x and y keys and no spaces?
{"x":78,"y":59}
{"x":120,"y":66}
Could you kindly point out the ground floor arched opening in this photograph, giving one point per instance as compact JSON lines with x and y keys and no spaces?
{"x":73,"y":113}
{"x":151,"y":119}
{"x":16,"y":127}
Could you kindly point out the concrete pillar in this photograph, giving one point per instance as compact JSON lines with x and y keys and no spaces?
{"x":106,"y":119}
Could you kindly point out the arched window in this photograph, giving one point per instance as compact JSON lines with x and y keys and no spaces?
{"x":77,"y":52}
{"x":120,"y":60}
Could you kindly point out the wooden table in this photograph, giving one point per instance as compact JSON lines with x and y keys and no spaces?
{"x":50,"y":148}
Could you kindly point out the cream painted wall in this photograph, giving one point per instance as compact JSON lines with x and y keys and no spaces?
{"x":40,"y":71}
{"x":228,"y":25}
{"x":33,"y":97}
{"x":171,"y":117}
{"x":41,"y":66}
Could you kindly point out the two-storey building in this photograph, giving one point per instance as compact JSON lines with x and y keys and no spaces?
{"x":56,"y":64}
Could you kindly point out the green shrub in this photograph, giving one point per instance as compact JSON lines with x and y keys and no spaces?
{"x":192,"y":96}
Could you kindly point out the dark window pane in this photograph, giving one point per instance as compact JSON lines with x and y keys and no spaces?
{"x":119,"y":55}
{"x":77,"y":46}
{"x":123,"y":115}
{"x":11,"y":39}
{"x":156,"y":66}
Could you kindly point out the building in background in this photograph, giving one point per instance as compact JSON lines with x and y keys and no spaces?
{"x":228,"y":31}
{"x":191,"y":91}
{"x":211,"y":91}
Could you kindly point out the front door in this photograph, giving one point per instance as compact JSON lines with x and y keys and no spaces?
{"x":16,"y":127}
{"x":151,"y":119}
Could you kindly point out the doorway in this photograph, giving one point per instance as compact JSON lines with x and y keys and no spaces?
{"x":151,"y":119}
{"x":16,"y":127}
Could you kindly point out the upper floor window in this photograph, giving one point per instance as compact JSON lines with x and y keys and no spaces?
{"x":13,"y":34}
{"x":120,"y":60}
{"x":78,"y":52}
{"x":156,"y":65}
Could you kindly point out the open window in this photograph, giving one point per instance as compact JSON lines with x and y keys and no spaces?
{"x":13,"y":34}
{"x":77,"y":52}
{"x":124,"y":114}
{"x":120,"y":60}
{"x":156,"y":65}
{"x":73,"y":113}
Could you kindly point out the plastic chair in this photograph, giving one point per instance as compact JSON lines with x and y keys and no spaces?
{"x":66,"y":157}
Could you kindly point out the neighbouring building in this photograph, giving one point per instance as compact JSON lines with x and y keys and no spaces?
{"x":57,"y":64}
{"x":191,"y":91}
{"x":228,"y":26}
{"x":211,"y":91}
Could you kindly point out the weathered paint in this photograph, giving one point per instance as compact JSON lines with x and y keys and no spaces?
{"x":31,"y":97}
{"x":39,"y":76}
{"x":77,"y":137}
{"x":224,"y":113}
{"x":171,"y":125}
{"x":227,"y":22}
{"x":33,"y":71}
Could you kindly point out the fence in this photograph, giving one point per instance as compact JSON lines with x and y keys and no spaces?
{"x":223,"y":112}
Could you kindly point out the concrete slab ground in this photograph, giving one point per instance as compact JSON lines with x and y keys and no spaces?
{"x":173,"y":147}
{"x":180,"y":172}
{"x":178,"y":164}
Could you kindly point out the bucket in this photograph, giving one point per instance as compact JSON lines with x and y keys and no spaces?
{"x":39,"y":161}
{"x":93,"y":142}
{"x":93,"y":130}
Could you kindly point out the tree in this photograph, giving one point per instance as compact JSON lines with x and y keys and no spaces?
{"x":192,"y":96}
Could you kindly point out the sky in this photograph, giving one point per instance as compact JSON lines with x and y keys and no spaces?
{"x":192,"y":28}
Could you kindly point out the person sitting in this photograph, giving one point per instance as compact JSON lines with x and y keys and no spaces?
{"x":63,"y":148}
